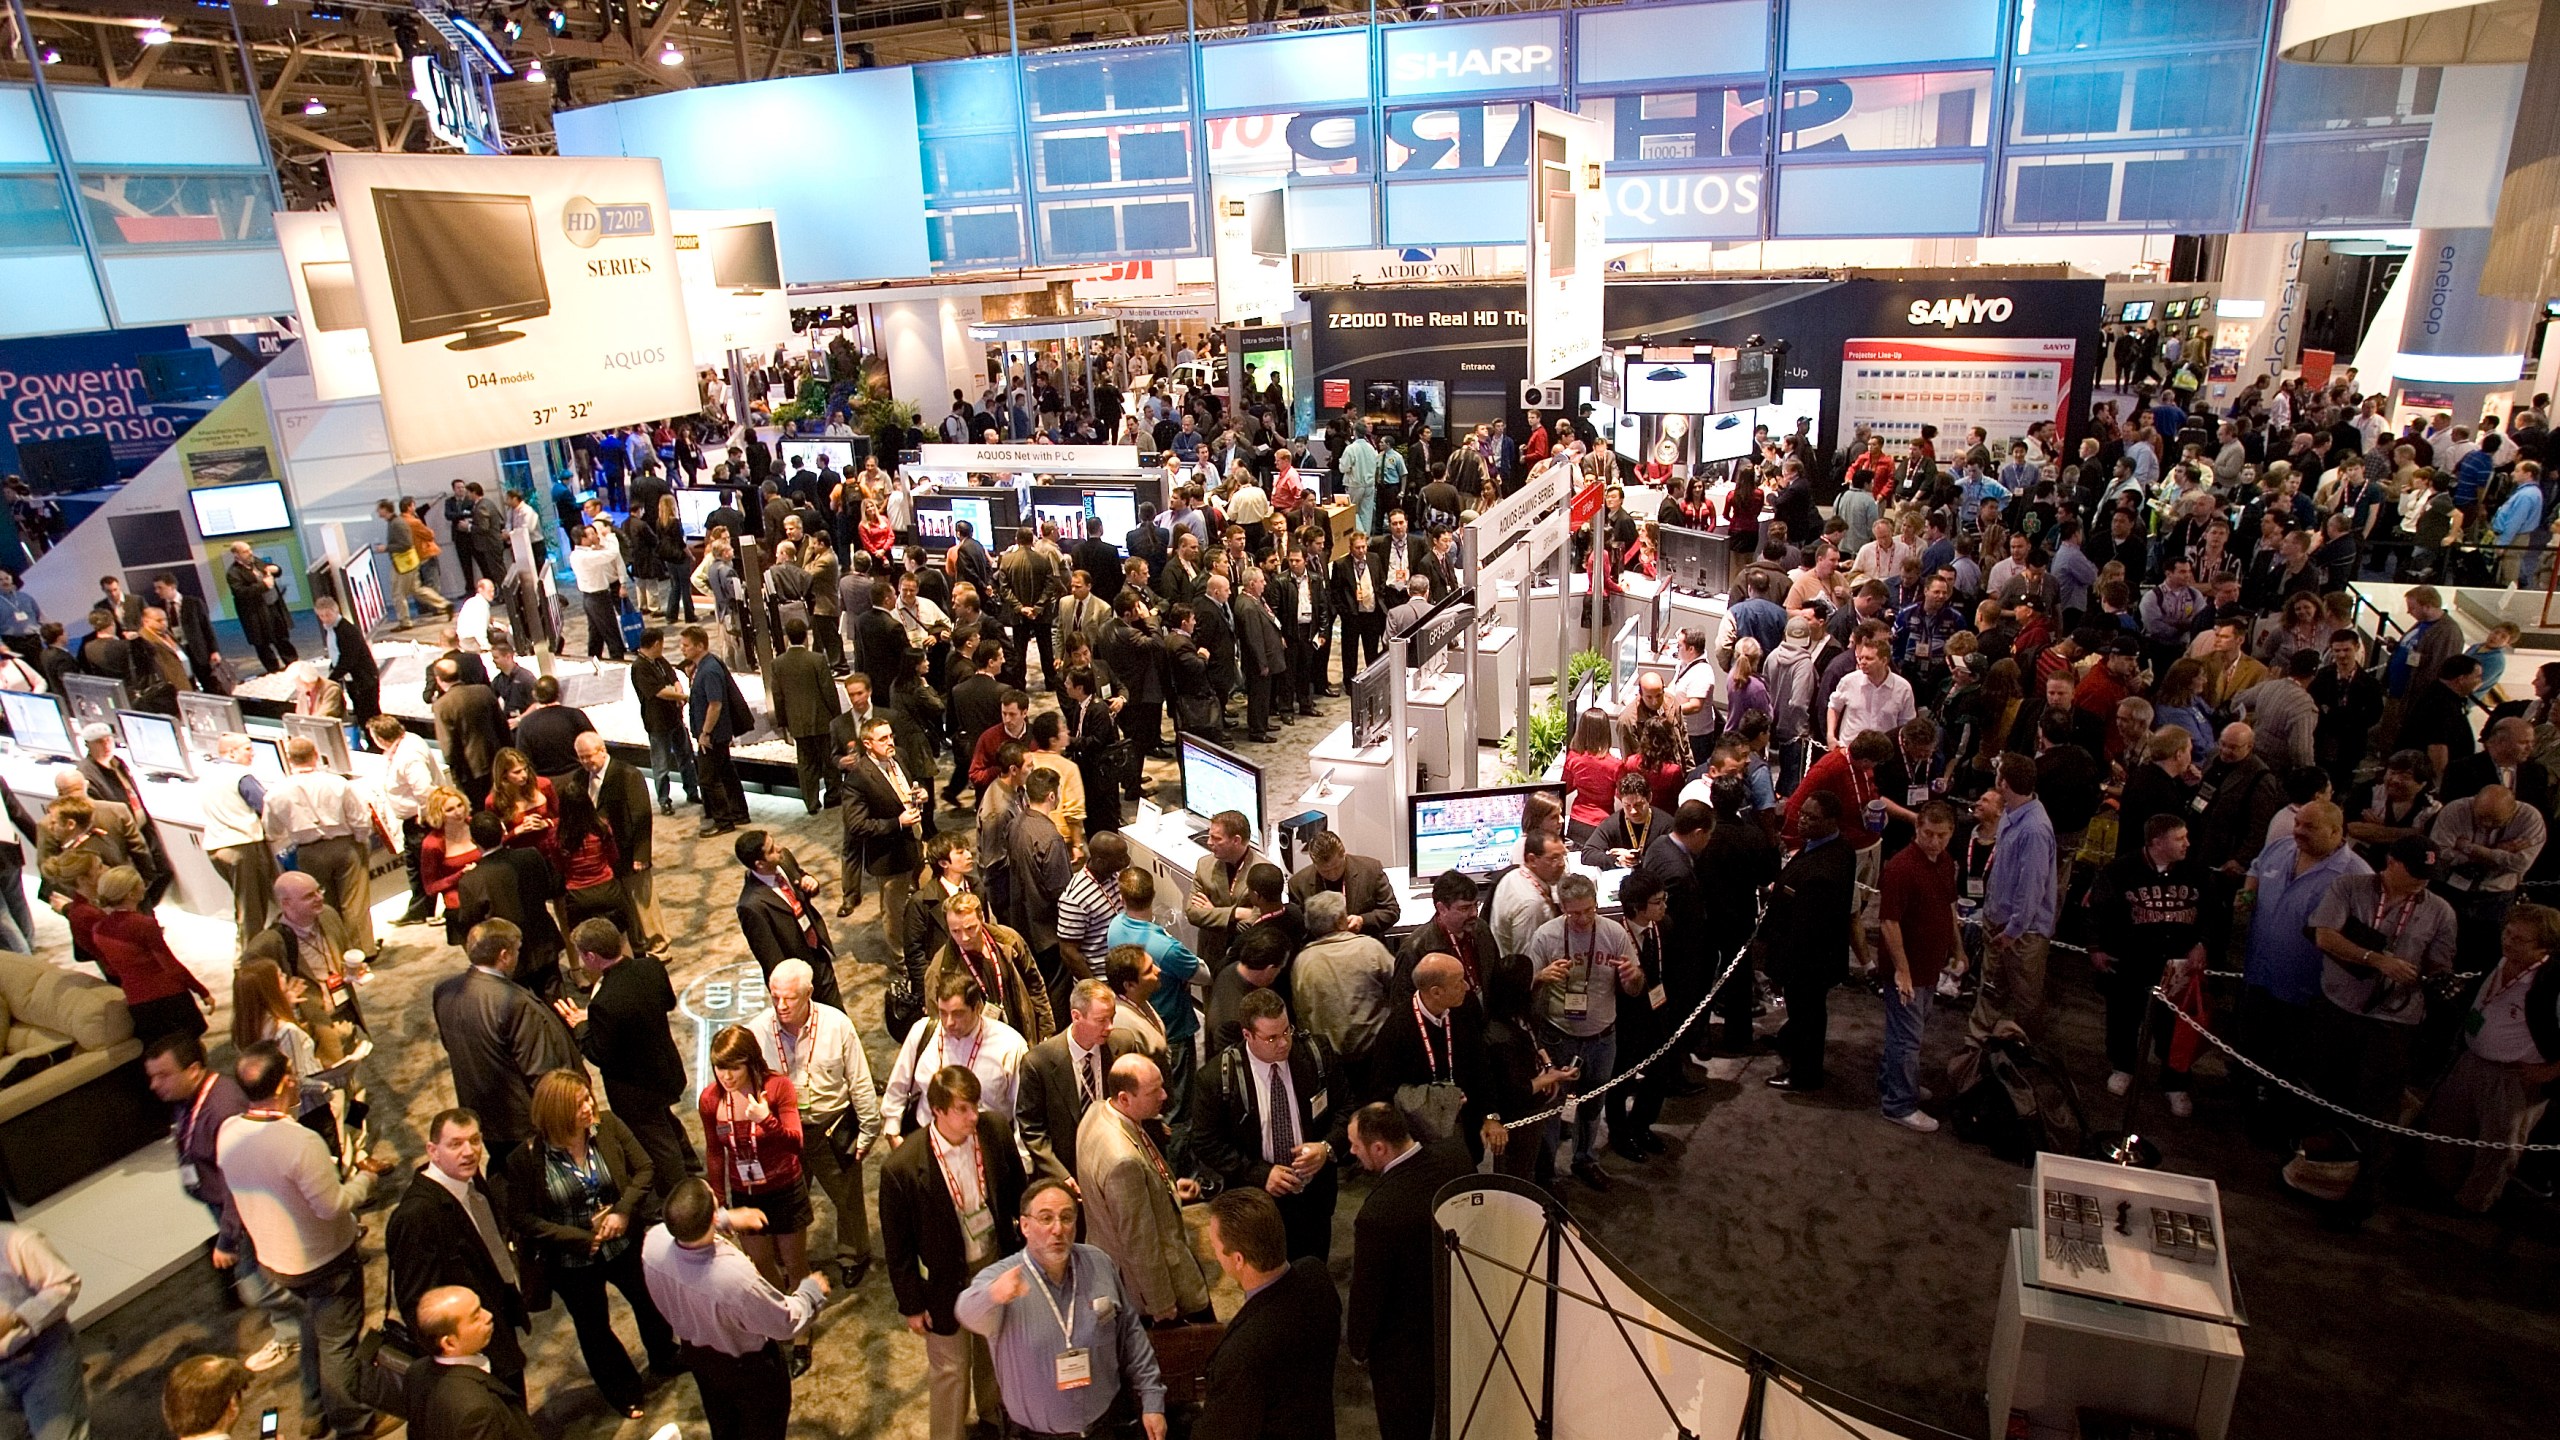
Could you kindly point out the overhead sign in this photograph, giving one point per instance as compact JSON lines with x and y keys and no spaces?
{"x":515,"y":299}
{"x":1436,"y":57}
{"x":1134,"y":280}
{"x":1250,"y":243}
{"x":731,"y":265}
{"x":1051,"y":459}
{"x":324,"y":299}
{"x":1568,"y":222}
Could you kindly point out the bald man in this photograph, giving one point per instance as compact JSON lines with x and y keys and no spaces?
{"x":451,"y":1392}
{"x":2484,"y":845}
{"x":1133,"y":1206}
{"x":1430,"y":1059}
{"x":309,"y":939}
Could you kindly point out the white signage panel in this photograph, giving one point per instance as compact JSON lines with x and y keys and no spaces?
{"x":513,"y":299}
{"x":1568,"y":229}
{"x":731,"y":265}
{"x":1053,"y":459}
{"x":1251,"y":246}
{"x":325,"y":301}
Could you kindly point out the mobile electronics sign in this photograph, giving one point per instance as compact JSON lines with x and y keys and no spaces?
{"x":515,"y":299}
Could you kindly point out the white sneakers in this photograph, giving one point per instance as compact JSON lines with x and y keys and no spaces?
{"x":2119,"y":1081}
{"x":271,"y":1355}
{"x":1920,"y":1120}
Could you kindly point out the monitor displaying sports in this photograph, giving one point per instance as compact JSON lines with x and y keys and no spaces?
{"x":38,"y":722}
{"x":1215,"y":780}
{"x":153,"y":741}
{"x":1474,"y":832}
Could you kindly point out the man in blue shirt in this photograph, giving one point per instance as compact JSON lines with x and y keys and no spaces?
{"x":2018,"y":908}
{"x":1136,"y":925}
{"x":22,"y":619}
{"x":2289,"y":879}
{"x":715,"y":711}
{"x":1758,"y":617}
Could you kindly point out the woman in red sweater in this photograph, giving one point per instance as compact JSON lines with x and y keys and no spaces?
{"x":159,"y":991}
{"x":1591,"y":769}
{"x":590,"y":863}
{"x":524,"y":803}
{"x":751,"y":1153}
{"x":445,"y":852}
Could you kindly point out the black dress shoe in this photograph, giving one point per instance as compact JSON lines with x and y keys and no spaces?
{"x":1263,"y":737}
{"x":1794,"y":1086}
{"x":800,"y":1360}
{"x":1629,"y":1148}
{"x":1653,"y":1144}
{"x":1588,"y":1172}
{"x":854,"y":1270}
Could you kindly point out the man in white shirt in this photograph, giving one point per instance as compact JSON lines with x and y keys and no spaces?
{"x":816,"y":1046}
{"x":1870,"y":697}
{"x":471,"y":617}
{"x":956,"y":1031}
{"x":39,"y":1359}
{"x":410,"y":773}
{"x":1525,"y":899}
{"x":600,"y":575}
{"x":319,"y":822}
{"x":301,"y":1222}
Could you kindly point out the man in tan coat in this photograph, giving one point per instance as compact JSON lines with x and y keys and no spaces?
{"x":1133,"y":1203}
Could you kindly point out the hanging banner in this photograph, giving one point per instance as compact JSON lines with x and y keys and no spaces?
{"x":1568,"y":228}
{"x":236,"y":492}
{"x":1251,"y":247}
{"x":515,"y":299}
{"x":324,"y":299}
{"x":731,"y":265}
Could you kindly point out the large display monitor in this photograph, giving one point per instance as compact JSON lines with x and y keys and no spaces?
{"x":207,"y":718}
{"x":1726,"y":436}
{"x":844,"y":454}
{"x":266,"y":759}
{"x":326,"y":733}
{"x":95,"y":699}
{"x":155,"y":744}
{"x":990,"y":513}
{"x":38,"y":722}
{"x":1626,"y":650}
{"x":1116,"y":506}
{"x":693,"y":511}
{"x":1695,"y":559}
{"x":744,"y":259}
{"x":2135,"y":312}
{"x":1668,"y":387}
{"x":461,"y":264}
{"x":1474,"y":832}
{"x":1214,"y":780}
{"x":1372,"y":705}
{"x":252,"y":509}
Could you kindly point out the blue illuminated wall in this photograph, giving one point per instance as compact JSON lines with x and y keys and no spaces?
{"x":1733,"y":119}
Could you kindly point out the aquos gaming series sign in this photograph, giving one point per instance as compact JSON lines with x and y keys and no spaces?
{"x":515,"y":299}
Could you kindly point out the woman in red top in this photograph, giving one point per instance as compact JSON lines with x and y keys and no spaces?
{"x":158,"y":990}
{"x":875,"y":534}
{"x":524,"y":803}
{"x":751,"y":1153}
{"x":71,"y":883}
{"x":445,"y":851}
{"x":591,"y":866}
{"x":1591,"y":769}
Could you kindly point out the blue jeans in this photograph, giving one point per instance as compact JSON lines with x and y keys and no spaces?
{"x":1898,"y":1072}
{"x":1598,"y":1055}
{"x":44,"y":1385}
{"x":259,"y":1291}
{"x":671,"y":753}
{"x":330,"y":1314}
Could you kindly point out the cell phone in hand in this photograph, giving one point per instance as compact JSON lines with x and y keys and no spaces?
{"x":268,"y":1421}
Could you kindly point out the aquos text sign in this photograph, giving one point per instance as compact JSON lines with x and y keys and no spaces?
{"x":515,"y":299}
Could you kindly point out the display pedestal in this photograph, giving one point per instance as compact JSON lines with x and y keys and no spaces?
{"x":1364,"y":781}
{"x":2152,"y":1337}
{"x":1546,"y":660}
{"x":1497,"y":689}
{"x":1433,"y":710}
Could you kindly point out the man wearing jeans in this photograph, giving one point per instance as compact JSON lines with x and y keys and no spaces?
{"x":1584,"y":962}
{"x":2017,"y":915}
{"x":202,"y":1098}
{"x":1920,"y":930}
{"x":39,"y":1359}
{"x":660,"y":690}
{"x":301,"y":1222}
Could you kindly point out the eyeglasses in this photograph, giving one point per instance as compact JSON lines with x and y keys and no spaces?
{"x":1284,"y":1037}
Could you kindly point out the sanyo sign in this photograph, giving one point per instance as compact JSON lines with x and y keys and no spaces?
{"x":1440,"y":59}
{"x":1970,"y":310}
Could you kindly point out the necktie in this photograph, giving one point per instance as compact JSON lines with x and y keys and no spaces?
{"x":1283,"y":1135}
{"x":486,"y":1222}
{"x":1089,"y":1075}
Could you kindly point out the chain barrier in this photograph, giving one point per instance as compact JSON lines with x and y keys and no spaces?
{"x":1631,"y":1072}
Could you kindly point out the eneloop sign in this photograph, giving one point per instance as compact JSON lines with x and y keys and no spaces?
{"x":1442,"y":59}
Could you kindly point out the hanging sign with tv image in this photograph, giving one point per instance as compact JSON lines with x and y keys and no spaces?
{"x":326,"y":303}
{"x":731,"y":265}
{"x":512,"y":299}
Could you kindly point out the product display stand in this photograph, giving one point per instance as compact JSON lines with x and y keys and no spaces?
{"x":1365,"y":801}
{"x":2117,"y":1297}
{"x":1435,"y":706}
{"x":1497,"y":672}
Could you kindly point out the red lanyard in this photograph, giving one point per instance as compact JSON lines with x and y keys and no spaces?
{"x":975,"y":1042}
{"x":942,"y":1158}
{"x":1422,"y":1023}
{"x":2408,"y":908}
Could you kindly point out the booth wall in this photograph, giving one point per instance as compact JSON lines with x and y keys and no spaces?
{"x":929,"y":350}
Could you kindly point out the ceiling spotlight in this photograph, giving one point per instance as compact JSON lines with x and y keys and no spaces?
{"x":156,"y":35}
{"x":534,"y":71}
{"x":313,"y":106}
{"x":671,"y":55}
{"x":52,"y":56}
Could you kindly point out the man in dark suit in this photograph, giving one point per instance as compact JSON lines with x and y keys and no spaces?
{"x":1434,"y":1037}
{"x":548,"y":732}
{"x":449,"y":1396}
{"x":1271,"y":1377}
{"x":1369,"y":903}
{"x":881,"y":650}
{"x":884,"y":814}
{"x":803,"y":696}
{"x":1099,"y":559}
{"x":2505,"y":757}
{"x":969,"y":562}
{"x":514,"y":883}
{"x":977,"y":706}
{"x":1264,"y":652}
{"x":778,"y":910}
{"x":447,"y":1231}
{"x":470,"y":730}
{"x":1186,"y":674}
{"x":1215,"y":632}
{"x":499,"y":1038}
{"x":1270,"y":1113}
{"x":929,"y":1241}
{"x":1358,"y":591}
{"x":1390,"y":1323}
{"x":193,"y":625}
{"x":350,"y":658}
{"x":1062,"y":1077}
{"x":1807,"y":927}
{"x":1299,"y":603}
{"x":1137,"y":663}
{"x":624,"y":1030}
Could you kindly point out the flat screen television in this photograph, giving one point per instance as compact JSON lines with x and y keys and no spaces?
{"x":2135,"y":312}
{"x":1662,"y":387}
{"x":843,"y":454}
{"x":1372,"y":705}
{"x":744,"y":259}
{"x":155,"y":744}
{"x":266,"y":759}
{"x":1626,"y":651}
{"x":693,"y":510}
{"x":329,"y":735}
{"x":1723,"y":437}
{"x":365,"y":602}
{"x":253,"y":509}
{"x":1751,"y":373}
{"x":461,"y":264}
{"x":95,"y":699}
{"x":1266,"y":220}
{"x":1695,"y":559}
{"x":936,"y":516}
{"x":331,"y":284}
{"x":2174,"y":310}
{"x":68,"y":465}
{"x":1216,"y":780}
{"x":207,"y":718}
{"x":38,"y":722}
{"x":1474,"y":832}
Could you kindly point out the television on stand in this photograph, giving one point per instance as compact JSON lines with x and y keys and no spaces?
{"x":1216,"y":780}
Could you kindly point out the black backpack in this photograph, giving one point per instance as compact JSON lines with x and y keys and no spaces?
{"x":2018,"y":1105}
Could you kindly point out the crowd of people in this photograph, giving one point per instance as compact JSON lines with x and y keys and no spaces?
{"x":1986,"y":710}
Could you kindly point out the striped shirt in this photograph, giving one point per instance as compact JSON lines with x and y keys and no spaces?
{"x":1085,"y":914}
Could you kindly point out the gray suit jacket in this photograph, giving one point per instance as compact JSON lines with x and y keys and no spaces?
{"x":500,"y":1038}
{"x":1365,"y":893}
{"x":1048,"y":1103}
{"x":1131,"y":1213}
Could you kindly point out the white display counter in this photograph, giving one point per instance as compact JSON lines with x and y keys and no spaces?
{"x":1434,"y":712}
{"x":1497,"y":690}
{"x":1359,"y":799}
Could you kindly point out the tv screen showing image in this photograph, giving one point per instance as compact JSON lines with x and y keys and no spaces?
{"x":325,"y":733}
{"x":461,"y":264}
{"x":1724,"y":437}
{"x":744,"y":258}
{"x":2135,"y":312}
{"x":1118,"y":512}
{"x":1627,"y":651}
{"x":693,"y":510}
{"x":2174,"y":310}
{"x":155,"y":744}
{"x":842,"y":455}
{"x":206,"y":719}
{"x":1474,"y":832}
{"x":938,"y":517}
{"x":95,"y":699}
{"x":1751,"y":374}
{"x":331,"y":285}
{"x":1428,"y":401}
{"x":38,"y":723}
{"x":1660,"y":387}
{"x":252,"y":509}
{"x":1372,"y":705}
{"x":1215,"y":781}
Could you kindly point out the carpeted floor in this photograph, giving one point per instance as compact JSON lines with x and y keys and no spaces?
{"x":1857,"y":1251}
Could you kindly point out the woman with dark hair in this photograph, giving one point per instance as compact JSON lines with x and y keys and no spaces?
{"x":751,"y":1153}
{"x":1591,"y":769}
{"x":527,"y":806}
{"x":1525,"y":1081}
{"x":1742,"y":514}
{"x":2305,"y":626}
{"x":590,"y":860}
{"x":579,"y":1197}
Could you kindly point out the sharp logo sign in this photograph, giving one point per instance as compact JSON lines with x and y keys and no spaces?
{"x":1528,"y":62}
{"x":1971,"y":310}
